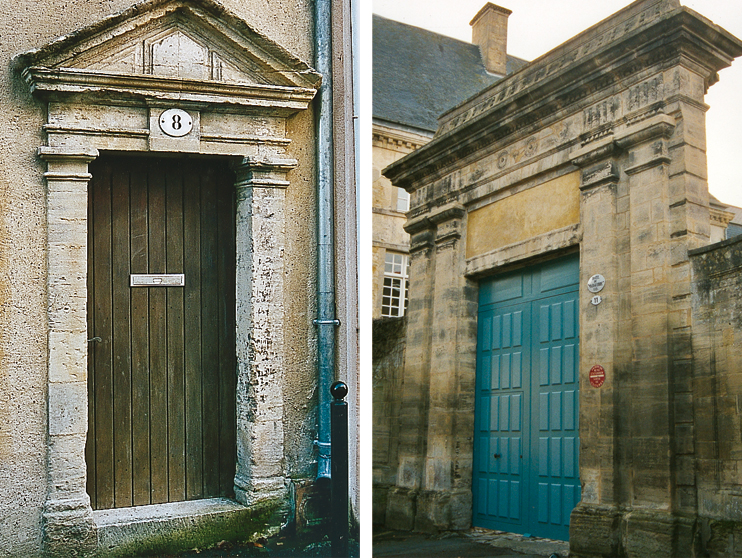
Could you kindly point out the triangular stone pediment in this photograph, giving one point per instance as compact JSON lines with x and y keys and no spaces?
{"x":196,"y":40}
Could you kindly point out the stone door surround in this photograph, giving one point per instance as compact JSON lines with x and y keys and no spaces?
{"x":107,"y":87}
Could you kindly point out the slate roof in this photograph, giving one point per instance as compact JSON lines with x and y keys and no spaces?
{"x":419,"y":74}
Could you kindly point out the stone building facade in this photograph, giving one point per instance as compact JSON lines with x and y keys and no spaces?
{"x":166,"y":142}
{"x":570,"y":336}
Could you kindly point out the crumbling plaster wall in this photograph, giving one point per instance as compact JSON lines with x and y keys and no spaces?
{"x":27,"y":25}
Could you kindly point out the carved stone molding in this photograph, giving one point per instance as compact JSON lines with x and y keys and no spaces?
{"x":604,"y":173}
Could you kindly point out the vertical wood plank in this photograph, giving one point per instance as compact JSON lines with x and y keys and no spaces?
{"x":210,"y":331}
{"x":121,"y":340}
{"x":104,"y":458}
{"x":192,"y":328}
{"x":157,"y":335}
{"x":90,"y":445}
{"x":227,"y":353}
{"x":175,"y":348}
{"x":140,"y":338}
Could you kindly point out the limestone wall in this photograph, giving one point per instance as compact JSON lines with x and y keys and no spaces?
{"x":389,"y":144}
{"x":715,"y":408}
{"x":583,"y":149}
{"x":388,"y":362}
{"x":28,"y":25}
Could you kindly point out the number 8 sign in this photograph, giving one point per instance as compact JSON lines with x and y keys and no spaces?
{"x":176,"y":122}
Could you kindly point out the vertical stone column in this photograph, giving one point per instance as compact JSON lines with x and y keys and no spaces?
{"x":647,"y":397}
{"x":434,"y":476}
{"x":261,"y":191}
{"x":688,"y":228}
{"x":69,"y":529}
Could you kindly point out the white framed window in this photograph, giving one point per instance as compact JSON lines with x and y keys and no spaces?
{"x":395,"y":289}
{"x":403,"y":200}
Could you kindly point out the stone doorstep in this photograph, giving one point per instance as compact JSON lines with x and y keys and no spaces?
{"x":519,"y":543}
{"x":171,"y":527}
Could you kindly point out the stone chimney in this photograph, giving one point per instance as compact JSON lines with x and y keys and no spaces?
{"x":489,"y":31}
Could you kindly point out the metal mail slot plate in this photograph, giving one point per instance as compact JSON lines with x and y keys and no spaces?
{"x":157,"y":280}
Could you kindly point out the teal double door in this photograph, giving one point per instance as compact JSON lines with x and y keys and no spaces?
{"x":526,"y":439}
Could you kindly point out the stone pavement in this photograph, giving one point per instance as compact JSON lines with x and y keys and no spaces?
{"x":475,"y":543}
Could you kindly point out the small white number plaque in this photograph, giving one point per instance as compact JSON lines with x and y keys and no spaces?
{"x":157,"y":280}
{"x":597,"y":299}
{"x":176,"y":122}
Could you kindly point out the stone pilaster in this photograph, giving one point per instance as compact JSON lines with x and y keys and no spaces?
{"x":445,"y":501}
{"x":69,"y":529}
{"x":434,"y":477}
{"x":594,"y":522}
{"x":414,"y":403}
{"x":645,"y":396}
{"x":261,"y":190}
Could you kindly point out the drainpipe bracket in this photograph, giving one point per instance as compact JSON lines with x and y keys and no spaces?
{"x":336,"y":323}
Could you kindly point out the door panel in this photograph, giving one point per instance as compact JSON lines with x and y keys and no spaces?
{"x":162,"y":379}
{"x":526,"y":444}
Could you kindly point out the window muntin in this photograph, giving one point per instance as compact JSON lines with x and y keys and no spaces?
{"x":395,"y":288}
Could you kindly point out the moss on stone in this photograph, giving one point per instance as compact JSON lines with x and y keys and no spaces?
{"x":198,"y":532}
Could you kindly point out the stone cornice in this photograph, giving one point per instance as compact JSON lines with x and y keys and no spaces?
{"x":404,"y":141}
{"x":55,"y":83}
{"x":643,"y":35}
{"x":720,"y":217}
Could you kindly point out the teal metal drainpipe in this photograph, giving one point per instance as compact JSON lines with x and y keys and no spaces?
{"x":326,"y":321}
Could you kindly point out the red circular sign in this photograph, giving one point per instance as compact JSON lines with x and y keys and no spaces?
{"x":597,"y":376}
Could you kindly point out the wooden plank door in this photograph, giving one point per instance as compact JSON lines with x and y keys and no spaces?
{"x":525,"y":475}
{"x":161,"y":366}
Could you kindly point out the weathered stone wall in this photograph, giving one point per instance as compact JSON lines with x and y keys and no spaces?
{"x":24,"y":379}
{"x":388,"y":362}
{"x":633,"y":133}
{"x":715,"y":417}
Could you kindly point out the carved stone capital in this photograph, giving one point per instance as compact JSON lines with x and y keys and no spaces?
{"x":603,"y":173}
{"x":422,"y":240}
{"x":263,"y":172}
{"x":448,"y":222}
{"x":418,"y":224}
{"x":593,"y":152}
{"x":67,"y":164}
{"x":447,"y":212}
{"x":659,"y":126}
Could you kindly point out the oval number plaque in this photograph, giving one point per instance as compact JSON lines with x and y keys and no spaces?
{"x":176,"y":122}
{"x":596,"y":283}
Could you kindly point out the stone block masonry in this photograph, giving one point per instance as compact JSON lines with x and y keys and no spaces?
{"x":629,"y":134}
